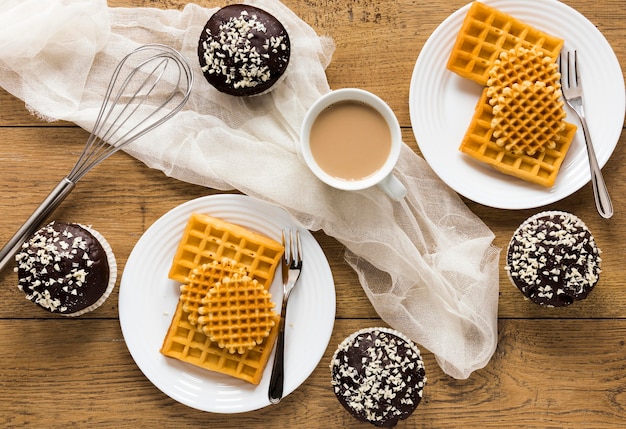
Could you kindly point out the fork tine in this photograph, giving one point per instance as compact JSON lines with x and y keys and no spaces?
{"x":290,"y":247}
{"x":567,"y":80}
{"x":287,"y":247}
{"x":564,"y":69}
{"x":573,"y":74}
{"x":298,"y":249}
{"x":293,"y":248}
{"x":576,"y":75}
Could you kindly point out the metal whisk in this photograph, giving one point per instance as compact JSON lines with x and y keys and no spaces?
{"x":148,"y":87}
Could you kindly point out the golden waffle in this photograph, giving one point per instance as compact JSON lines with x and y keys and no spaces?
{"x":207,"y":239}
{"x":200,"y":280}
{"x":528,"y":118}
{"x":540,"y":168}
{"x":185,"y":343}
{"x":525,"y":92}
{"x":237,"y":313}
{"x":521,"y":65}
{"x":485,"y":33}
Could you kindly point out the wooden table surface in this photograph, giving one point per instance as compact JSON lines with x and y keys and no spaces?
{"x":552,"y":368}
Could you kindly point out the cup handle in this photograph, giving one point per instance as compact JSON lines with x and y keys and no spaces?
{"x":392,"y":186}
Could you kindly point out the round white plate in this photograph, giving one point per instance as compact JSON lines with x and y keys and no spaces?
{"x":442,"y":105}
{"x":147,"y":300}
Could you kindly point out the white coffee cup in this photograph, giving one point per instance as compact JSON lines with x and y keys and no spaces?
{"x":382,"y":175}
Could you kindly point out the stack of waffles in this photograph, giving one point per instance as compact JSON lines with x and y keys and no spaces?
{"x":518,"y":126}
{"x":224,"y":320}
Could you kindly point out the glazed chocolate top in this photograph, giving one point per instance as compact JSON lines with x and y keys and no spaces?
{"x":378,"y":376}
{"x":243,"y":50}
{"x":553,"y":259}
{"x":63,"y":268}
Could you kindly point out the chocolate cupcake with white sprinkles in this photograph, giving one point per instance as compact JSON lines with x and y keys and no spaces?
{"x":243,"y":50}
{"x":66,"y":268}
{"x":553,"y":259}
{"x":378,"y":376}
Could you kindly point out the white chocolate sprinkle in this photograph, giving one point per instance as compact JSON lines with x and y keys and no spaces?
{"x":39,"y":259}
{"x":232,"y":53}
{"x":553,"y":259}
{"x":387,"y":384}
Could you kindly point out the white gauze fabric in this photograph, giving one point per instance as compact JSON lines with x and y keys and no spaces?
{"x":427,"y":263}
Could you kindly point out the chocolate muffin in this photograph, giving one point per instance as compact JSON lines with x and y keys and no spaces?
{"x":378,"y":376}
{"x":553,"y":259}
{"x":243,"y":50}
{"x":66,"y":268}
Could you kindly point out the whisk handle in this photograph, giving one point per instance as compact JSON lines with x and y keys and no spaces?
{"x":33,"y":223}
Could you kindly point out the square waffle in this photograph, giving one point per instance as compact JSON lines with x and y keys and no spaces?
{"x":208,"y":239}
{"x":485,"y":33}
{"x":540,"y":168}
{"x":219,"y":249}
{"x":185,"y":343}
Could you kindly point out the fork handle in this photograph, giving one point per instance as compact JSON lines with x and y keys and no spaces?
{"x":600,"y":191}
{"x":275,"y":392}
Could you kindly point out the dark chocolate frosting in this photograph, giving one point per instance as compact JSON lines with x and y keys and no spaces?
{"x":63,"y":268}
{"x":243,"y":50}
{"x":378,"y":376}
{"x":553,"y":259}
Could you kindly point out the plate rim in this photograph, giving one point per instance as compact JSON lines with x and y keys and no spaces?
{"x":540,"y":197}
{"x":209,"y":202}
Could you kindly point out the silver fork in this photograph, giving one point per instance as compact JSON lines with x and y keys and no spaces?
{"x":572,"y":89}
{"x":291,"y":267}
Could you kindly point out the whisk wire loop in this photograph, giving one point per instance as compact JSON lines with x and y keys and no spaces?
{"x":128,"y":110}
{"x":157,"y":86}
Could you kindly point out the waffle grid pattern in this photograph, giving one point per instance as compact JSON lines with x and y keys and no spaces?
{"x":185,"y":343}
{"x":201,"y":280}
{"x":520,"y":65}
{"x":485,"y":33}
{"x":525,"y":92}
{"x":205,"y":241}
{"x":208,"y":239}
{"x":237,"y":313}
{"x":540,"y":168}
{"x":528,"y":120}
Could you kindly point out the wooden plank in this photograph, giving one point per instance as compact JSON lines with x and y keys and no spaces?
{"x":123,"y":209}
{"x":120,"y":209}
{"x":377,"y":43}
{"x":552,"y":368}
{"x":79,"y":373}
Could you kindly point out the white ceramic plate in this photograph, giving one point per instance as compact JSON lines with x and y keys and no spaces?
{"x":442,"y":104}
{"x":147,"y":300}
